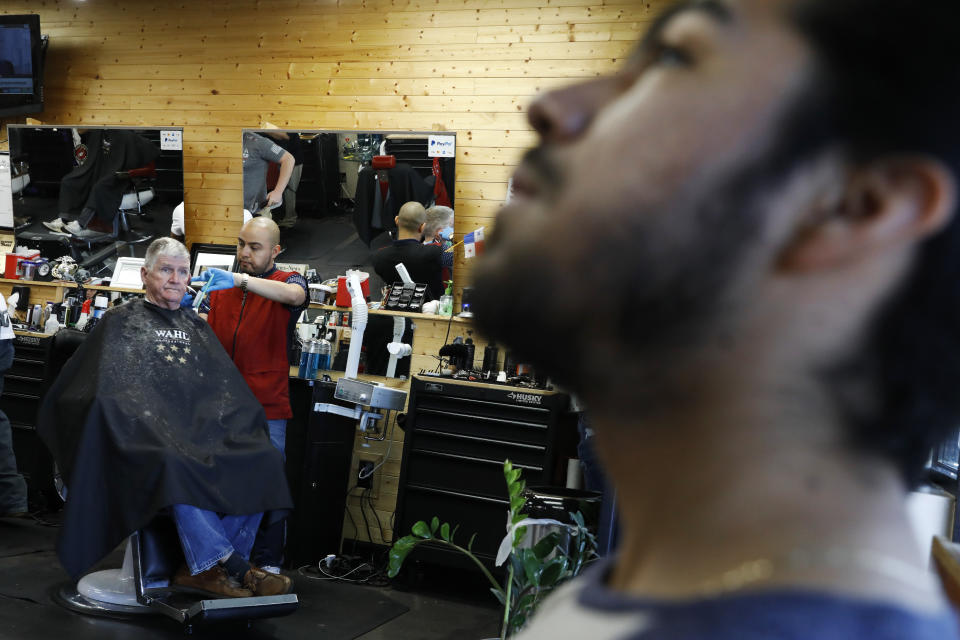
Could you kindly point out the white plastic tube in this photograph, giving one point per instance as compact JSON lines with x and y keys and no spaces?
{"x":358,"y":324}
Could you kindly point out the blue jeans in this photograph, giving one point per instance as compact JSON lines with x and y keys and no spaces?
{"x":207,"y":537}
{"x":13,"y":488}
{"x":268,"y":549}
{"x":278,"y":435}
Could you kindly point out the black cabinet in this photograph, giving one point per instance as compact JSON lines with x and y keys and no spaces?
{"x":319,"y":451}
{"x":24,"y":387}
{"x":458,"y":435}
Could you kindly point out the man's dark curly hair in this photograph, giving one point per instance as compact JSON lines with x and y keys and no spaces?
{"x":888,"y":83}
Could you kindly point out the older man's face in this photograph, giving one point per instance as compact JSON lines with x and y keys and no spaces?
{"x":633,"y":209}
{"x":166,"y":282}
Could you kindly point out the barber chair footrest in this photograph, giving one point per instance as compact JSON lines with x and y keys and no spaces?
{"x":187,"y":610}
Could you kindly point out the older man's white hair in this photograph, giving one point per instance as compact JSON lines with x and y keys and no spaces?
{"x":438,"y":217}
{"x":167,"y":247}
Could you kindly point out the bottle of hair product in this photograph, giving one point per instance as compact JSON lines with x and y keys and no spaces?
{"x":490,"y":355}
{"x":471,"y":352}
{"x":324,"y":351}
{"x":52,"y":325}
{"x":304,"y":358}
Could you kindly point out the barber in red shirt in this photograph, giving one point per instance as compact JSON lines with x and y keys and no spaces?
{"x":254,"y":313}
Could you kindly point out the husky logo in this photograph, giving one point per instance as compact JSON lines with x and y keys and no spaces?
{"x":525,"y":398}
{"x":173,"y":334}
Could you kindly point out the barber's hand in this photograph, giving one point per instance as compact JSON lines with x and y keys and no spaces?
{"x":219,"y":279}
{"x":187,"y":300}
{"x":274,"y":197}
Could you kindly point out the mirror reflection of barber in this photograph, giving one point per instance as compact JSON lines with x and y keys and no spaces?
{"x":258,"y":153}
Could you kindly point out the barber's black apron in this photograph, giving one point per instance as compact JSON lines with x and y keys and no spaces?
{"x":150,"y":412}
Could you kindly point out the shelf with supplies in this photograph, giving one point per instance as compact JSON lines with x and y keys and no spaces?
{"x":56,"y":287}
{"x":403,"y":314}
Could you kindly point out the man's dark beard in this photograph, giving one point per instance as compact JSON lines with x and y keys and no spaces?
{"x":586,"y":300}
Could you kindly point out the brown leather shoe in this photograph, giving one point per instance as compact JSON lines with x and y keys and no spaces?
{"x":213,"y":582}
{"x":263,"y":583}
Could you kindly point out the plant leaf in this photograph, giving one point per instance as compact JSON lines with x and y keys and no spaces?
{"x":546,"y":545}
{"x":497,"y":594}
{"x":470,"y":544}
{"x":553,"y":572}
{"x":421,"y":530}
{"x":398,"y":553}
{"x":532,"y":567}
{"x":445,"y":531}
{"x":434,"y":523}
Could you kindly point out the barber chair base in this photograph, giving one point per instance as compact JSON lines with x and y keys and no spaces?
{"x":69,"y":596}
{"x":111,"y":592}
{"x":127,"y":592}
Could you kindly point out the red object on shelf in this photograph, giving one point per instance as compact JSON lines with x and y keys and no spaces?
{"x":13,"y":262}
{"x":343,"y":296}
{"x":384,"y":162}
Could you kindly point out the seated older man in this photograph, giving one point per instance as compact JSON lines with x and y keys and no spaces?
{"x":150,"y":415}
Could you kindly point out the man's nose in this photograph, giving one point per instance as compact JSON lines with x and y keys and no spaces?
{"x":564,"y":114}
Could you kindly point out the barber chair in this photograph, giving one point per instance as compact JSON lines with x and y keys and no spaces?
{"x":138,"y":192}
{"x":142,"y":587}
{"x":152,"y":554}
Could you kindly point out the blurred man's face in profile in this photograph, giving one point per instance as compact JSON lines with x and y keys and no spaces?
{"x":639,"y":206}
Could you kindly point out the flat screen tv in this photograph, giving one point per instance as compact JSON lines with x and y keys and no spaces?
{"x":22,"y":51}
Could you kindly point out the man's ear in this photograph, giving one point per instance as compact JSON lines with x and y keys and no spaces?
{"x":396,"y":221}
{"x":275,"y":251}
{"x":885,"y":203}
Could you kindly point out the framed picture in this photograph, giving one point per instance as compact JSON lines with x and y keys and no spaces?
{"x":127,"y":273}
{"x":204,"y":256}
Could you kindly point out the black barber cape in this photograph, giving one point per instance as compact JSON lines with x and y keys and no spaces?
{"x":150,"y":412}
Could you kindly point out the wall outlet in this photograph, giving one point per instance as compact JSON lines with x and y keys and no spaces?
{"x":365,"y":474}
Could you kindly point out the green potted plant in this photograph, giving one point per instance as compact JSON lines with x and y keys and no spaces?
{"x":534,"y":570}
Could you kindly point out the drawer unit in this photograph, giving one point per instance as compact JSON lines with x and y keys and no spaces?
{"x":24,"y":386}
{"x":458,"y":435}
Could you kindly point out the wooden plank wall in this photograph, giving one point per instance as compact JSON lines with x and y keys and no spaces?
{"x":214,"y":67}
{"x":217,"y":66}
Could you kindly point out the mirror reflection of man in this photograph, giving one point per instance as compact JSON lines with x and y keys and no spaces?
{"x":289,"y":141}
{"x":771,"y":260}
{"x":424,"y":262}
{"x":258,"y":153}
{"x":254,"y":314}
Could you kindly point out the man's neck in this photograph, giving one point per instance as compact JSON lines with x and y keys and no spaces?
{"x":747,"y":467}
{"x":407,"y":235}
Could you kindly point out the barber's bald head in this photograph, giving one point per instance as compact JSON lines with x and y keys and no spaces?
{"x":258,"y":243}
{"x":411,"y":217}
{"x":265,"y":225}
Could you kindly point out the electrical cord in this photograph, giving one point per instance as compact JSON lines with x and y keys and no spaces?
{"x":383,"y":537}
{"x":303,"y":571}
{"x":389,"y":438}
{"x":363,"y":512}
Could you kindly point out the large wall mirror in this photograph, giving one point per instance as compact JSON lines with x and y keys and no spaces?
{"x":95,"y":192}
{"x":338,"y":208}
